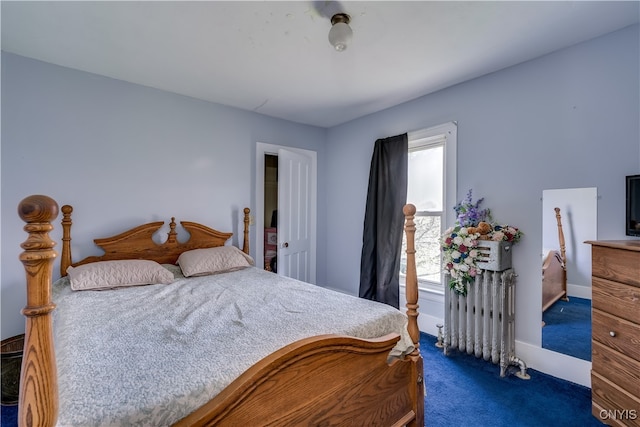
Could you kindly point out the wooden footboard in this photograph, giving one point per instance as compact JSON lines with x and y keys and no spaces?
{"x":554,"y":285}
{"x":323,"y":380}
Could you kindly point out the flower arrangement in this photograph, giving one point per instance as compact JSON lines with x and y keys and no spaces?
{"x":459,"y":243}
{"x":460,"y":254}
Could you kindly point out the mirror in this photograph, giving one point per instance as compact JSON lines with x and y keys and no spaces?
{"x":566,"y":269}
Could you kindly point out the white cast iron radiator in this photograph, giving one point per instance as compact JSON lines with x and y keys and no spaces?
{"x":483,"y":322}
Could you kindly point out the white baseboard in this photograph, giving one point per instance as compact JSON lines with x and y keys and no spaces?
{"x":555,"y":364}
{"x":427,"y":324}
{"x":579,"y":291}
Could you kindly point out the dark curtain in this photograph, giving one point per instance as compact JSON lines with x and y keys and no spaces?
{"x":384,"y":221}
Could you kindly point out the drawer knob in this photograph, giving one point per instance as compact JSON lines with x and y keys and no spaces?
{"x":612,"y":333}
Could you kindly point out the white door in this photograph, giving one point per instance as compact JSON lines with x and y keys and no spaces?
{"x":294,"y":215}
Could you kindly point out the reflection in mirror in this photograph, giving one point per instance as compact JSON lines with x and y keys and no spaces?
{"x":569,"y":218}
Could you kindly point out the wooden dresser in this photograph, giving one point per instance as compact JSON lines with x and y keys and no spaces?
{"x":615,"y":354}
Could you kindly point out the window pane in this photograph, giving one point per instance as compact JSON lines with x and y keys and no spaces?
{"x":427,"y":242}
{"x":425,"y":184}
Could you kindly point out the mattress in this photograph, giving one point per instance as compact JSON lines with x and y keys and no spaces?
{"x":150,"y":355}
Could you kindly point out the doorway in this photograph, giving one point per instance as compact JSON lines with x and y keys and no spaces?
{"x":270,"y":213}
{"x":286,"y":182}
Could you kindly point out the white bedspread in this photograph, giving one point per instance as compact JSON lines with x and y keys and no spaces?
{"x":150,"y":355}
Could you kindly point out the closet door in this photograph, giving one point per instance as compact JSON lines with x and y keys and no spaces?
{"x":294,"y":215}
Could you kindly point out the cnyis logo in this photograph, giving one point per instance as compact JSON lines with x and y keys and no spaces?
{"x":618,"y":414}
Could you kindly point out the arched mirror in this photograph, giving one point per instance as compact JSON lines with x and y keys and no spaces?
{"x":569,"y":218}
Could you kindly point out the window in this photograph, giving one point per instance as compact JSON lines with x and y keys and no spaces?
{"x":431,"y":188}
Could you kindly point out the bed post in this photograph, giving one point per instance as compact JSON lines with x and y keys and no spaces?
{"x":563,"y":254}
{"x":411,"y":283}
{"x":411,"y":290}
{"x":65,"y":259}
{"x":247,"y":220}
{"x":38,"y":401}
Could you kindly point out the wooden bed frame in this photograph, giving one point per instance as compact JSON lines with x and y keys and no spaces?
{"x":321,"y":380}
{"x":554,"y":271}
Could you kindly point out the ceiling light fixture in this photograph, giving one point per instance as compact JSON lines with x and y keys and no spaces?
{"x":340,"y":33}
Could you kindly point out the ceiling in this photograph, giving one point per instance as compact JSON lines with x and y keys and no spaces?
{"x":274,"y":57}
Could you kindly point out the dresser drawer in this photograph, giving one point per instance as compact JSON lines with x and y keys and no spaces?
{"x":616,"y":264}
{"x":612,"y":405}
{"x":616,"y":333}
{"x":616,"y":298}
{"x":618,"y":368}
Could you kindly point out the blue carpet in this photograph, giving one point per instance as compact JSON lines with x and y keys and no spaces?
{"x":9,"y":415}
{"x":465,"y":391}
{"x":567,"y":328}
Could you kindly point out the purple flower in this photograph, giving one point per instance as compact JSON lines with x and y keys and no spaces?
{"x":469,"y":213}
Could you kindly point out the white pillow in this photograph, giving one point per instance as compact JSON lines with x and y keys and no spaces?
{"x":113,"y":274}
{"x":200,"y":262}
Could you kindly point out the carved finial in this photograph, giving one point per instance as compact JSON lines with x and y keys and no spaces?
{"x":38,"y":212}
{"x":38,"y":208}
{"x":172,"y":231}
{"x":409,"y":209}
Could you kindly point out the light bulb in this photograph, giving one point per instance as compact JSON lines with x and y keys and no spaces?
{"x":340,"y":35}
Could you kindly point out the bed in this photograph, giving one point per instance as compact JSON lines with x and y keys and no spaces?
{"x":346,"y":375}
{"x":554,"y":271}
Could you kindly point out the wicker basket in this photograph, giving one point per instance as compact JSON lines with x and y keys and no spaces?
{"x":11,"y":361}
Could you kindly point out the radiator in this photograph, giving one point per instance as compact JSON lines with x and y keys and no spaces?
{"x":483,"y":322}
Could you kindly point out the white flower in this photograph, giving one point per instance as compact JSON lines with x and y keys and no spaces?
{"x":460,"y":288}
{"x":458,"y":240}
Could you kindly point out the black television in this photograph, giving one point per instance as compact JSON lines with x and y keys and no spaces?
{"x":632,"y":224}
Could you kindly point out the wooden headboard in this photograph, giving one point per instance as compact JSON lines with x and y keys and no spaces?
{"x":137,"y":243}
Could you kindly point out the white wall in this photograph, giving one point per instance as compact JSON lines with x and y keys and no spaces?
{"x":565,"y":120}
{"x":123,"y":154}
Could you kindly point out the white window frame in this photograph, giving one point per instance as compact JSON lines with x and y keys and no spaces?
{"x":447,"y":135}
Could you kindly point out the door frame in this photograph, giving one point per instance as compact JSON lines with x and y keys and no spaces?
{"x":261,"y":150}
